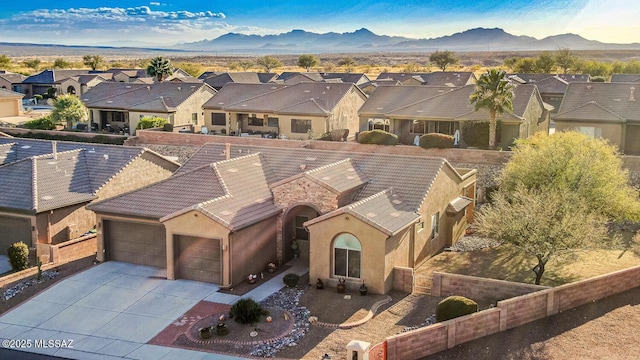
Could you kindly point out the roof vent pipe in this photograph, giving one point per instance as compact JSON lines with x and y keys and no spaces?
{"x":228,"y":150}
{"x":631,"y":95}
{"x":54,"y":145}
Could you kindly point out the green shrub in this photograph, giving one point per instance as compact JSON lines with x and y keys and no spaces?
{"x":291,"y":280}
{"x":247,"y":311}
{"x":455,"y":306}
{"x":476,"y":133}
{"x":436,"y":141}
{"x":97,"y":139}
{"x":325,"y":137}
{"x":167,"y":127}
{"x":490,"y":192}
{"x":44,"y":123}
{"x":378,"y":137}
{"x":18,"y":256}
{"x":151,"y":122}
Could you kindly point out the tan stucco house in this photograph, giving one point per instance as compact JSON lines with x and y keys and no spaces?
{"x":603,"y":110}
{"x":121,"y":105}
{"x":46,"y":185}
{"x":287,"y":111}
{"x":10,"y":103}
{"x":228,"y":211}
{"x":412,"y":111}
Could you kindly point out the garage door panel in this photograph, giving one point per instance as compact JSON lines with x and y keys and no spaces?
{"x":136,"y":243}
{"x":198,"y":259}
{"x":12,"y":230}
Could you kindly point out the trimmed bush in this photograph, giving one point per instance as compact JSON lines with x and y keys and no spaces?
{"x":247,"y":311}
{"x":18,"y":256}
{"x":436,"y":141}
{"x":44,"y":123}
{"x":455,"y":306}
{"x":476,"y":133}
{"x":325,"y":137}
{"x":167,"y":127}
{"x":151,"y":123}
{"x":291,"y":280}
{"x":378,"y":137}
{"x":97,"y":139}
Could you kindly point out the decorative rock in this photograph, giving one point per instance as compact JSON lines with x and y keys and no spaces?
{"x":313,"y":319}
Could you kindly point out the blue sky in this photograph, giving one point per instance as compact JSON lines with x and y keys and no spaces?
{"x":166,"y":22}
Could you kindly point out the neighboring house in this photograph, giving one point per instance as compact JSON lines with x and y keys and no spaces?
{"x":371,"y":86}
{"x":78,"y":85}
{"x":126,"y":75}
{"x":10,"y":103}
{"x":40,"y":83}
{"x":295,"y":77}
{"x":217,"y":81}
{"x":438,"y":78}
{"x":625,"y":78}
{"x":288,"y":111}
{"x":11,"y":81}
{"x":233,"y":210}
{"x":603,"y":110}
{"x":120,"y":106}
{"x":45,"y":186}
{"x":551,"y":87}
{"x":412,"y":111}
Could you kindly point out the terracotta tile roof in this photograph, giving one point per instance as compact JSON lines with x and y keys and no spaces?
{"x":233,"y":93}
{"x":340,"y":177}
{"x":620,"y":99}
{"x":164,"y":96}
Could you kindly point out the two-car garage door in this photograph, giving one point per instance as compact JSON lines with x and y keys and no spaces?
{"x":197,"y":258}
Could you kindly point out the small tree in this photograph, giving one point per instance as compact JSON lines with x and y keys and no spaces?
{"x":495,"y":94}
{"x":348,"y":63}
{"x":247,"y":311}
{"x":32,"y":64}
{"x":565,"y":59}
{"x":308,"y":61}
{"x":544,"y":223}
{"x":442,"y":59}
{"x":61,"y":63}
{"x":69,"y":109}
{"x":160,"y":68}
{"x":44,"y":123}
{"x":18,"y":256}
{"x":268,"y":63}
{"x":5,"y":61}
{"x":525,"y":66}
{"x":190,"y":68}
{"x":93,"y":61}
{"x":545,"y":62}
{"x":148,"y":122}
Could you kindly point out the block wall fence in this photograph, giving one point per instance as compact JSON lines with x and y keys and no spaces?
{"x":507,"y":314}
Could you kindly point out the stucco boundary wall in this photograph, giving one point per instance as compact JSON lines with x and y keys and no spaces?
{"x":508,"y":314}
{"x":74,"y":249}
{"x":403,"y":279}
{"x":152,"y":137}
{"x":82,"y":134}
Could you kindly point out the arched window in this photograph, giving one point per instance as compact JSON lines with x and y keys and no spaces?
{"x":71,"y":90}
{"x":347,"y":253}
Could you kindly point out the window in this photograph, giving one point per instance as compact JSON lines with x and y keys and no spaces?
{"x":379,"y":124}
{"x":590,"y":131}
{"x":273,"y":122}
{"x":347,"y":253}
{"x":435,"y":224}
{"x":255,"y":121}
{"x":194,"y":118}
{"x":420,"y":226}
{"x":218,"y":119}
{"x":419,"y":127}
{"x":446,"y":127}
{"x":301,"y":233}
{"x":300,"y":126}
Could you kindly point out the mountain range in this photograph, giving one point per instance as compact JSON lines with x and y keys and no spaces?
{"x":363,"y":40}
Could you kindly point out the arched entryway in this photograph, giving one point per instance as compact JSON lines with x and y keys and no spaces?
{"x":293,"y":231}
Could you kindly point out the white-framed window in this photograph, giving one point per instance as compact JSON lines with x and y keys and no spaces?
{"x":590,"y":131}
{"x":347,"y":255}
{"x":435,"y":224}
{"x":300,"y":126}
{"x":419,"y":127}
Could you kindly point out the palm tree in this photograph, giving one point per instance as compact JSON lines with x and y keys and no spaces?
{"x":159,"y":67}
{"x":495,"y":94}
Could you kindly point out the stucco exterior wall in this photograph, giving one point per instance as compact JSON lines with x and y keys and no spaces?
{"x":252,"y":248}
{"x":64,"y":224}
{"x":373,"y":242}
{"x":194,"y":223}
{"x":10,"y":106}
{"x":345,"y":115}
{"x":193,"y":105}
{"x":397,"y":254}
{"x":611,"y":132}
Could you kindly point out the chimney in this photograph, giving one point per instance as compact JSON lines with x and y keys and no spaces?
{"x":54,"y":145}
{"x":228,"y":150}
{"x":631,"y":95}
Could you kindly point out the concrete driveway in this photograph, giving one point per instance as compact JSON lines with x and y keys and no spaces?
{"x":108,"y":312}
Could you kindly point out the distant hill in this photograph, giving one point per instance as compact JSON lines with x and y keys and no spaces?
{"x":363,"y":40}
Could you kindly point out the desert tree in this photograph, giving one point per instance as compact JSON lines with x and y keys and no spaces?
{"x":159,"y":67}
{"x":493,"y":93}
{"x":545,"y":62}
{"x":93,"y":61}
{"x":328,"y":66}
{"x":565,"y":59}
{"x":245,"y":65}
{"x":69,"y":109}
{"x":5,"y":61}
{"x":412,"y":67}
{"x":190,"y":68}
{"x":307,"y":61}
{"x":442,"y":59}
{"x":32,"y":64}
{"x":525,"y":65}
{"x":61,"y":63}
{"x":572,"y":162}
{"x":268,"y":63}
{"x":544,"y":223}
{"x":348,"y":63}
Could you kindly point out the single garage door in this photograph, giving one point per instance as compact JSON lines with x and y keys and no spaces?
{"x":136,"y":243}
{"x":198,"y":259}
{"x":9,"y":108}
{"x":13,"y":229}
